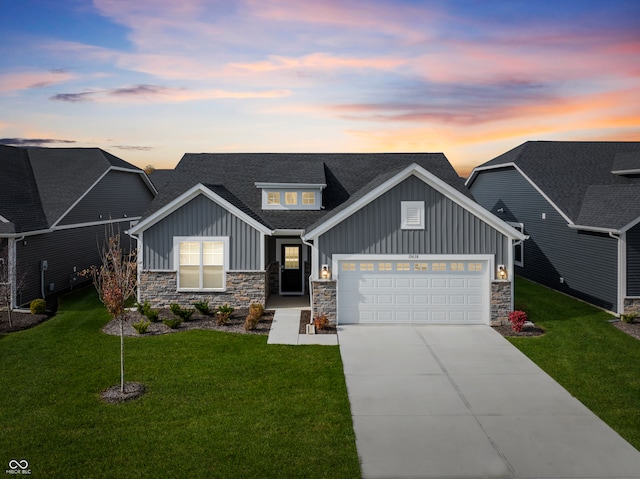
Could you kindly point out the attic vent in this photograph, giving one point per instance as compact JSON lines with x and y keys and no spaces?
{"x":412,"y":215}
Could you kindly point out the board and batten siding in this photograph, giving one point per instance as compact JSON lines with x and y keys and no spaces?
{"x":449,"y":228}
{"x":633,"y":261}
{"x":587,"y":262}
{"x":65,"y":251}
{"x":118,"y":195}
{"x":202,"y":217}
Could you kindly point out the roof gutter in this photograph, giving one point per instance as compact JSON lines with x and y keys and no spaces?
{"x":594,"y":229}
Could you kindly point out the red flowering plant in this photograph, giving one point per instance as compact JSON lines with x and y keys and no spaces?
{"x":517,"y":320}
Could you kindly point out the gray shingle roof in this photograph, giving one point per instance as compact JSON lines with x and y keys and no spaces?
{"x":347,"y":176}
{"x":38,"y":185}
{"x":577,"y":177}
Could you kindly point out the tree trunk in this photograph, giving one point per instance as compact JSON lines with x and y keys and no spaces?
{"x":121,"y":356}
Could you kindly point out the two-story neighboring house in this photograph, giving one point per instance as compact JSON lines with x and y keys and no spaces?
{"x":385,"y":238}
{"x":56,"y":206}
{"x":580,"y":204}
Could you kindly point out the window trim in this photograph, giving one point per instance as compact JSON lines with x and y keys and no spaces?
{"x":201,"y":239}
{"x":518,"y":244}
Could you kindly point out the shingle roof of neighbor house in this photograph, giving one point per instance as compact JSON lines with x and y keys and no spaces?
{"x":38,"y":185}
{"x":595,"y":184}
{"x":347,"y":176}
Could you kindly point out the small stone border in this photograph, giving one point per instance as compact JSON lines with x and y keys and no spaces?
{"x":632,"y":329}
{"x":507,"y":331}
{"x":132,"y":390}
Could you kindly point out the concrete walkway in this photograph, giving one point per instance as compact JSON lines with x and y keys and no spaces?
{"x":286,"y":323}
{"x":462,"y":402}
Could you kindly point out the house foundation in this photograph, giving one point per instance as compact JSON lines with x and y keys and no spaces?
{"x":159,"y":288}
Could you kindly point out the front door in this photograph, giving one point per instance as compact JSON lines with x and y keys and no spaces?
{"x":291,"y":269}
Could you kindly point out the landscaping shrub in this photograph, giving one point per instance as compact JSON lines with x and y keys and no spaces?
{"x":38,"y":306}
{"x":202,"y":306}
{"x":517,"y":319}
{"x":146,"y":310}
{"x":223,"y":314}
{"x":253,"y":318}
{"x":184,"y":314}
{"x":321,"y":322}
{"x":173,"y":323}
{"x":256,"y":309}
{"x":141,"y":326}
{"x":628,"y":318}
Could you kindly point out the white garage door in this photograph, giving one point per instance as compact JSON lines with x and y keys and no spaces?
{"x":401,"y":291}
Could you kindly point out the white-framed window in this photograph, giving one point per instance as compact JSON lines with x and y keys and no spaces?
{"x":273,"y":198}
{"x":518,"y":247}
{"x":412,"y":215}
{"x":201,"y":262}
{"x":308,"y":198}
{"x":290,"y":198}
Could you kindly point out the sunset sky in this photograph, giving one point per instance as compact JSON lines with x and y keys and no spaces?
{"x":149,"y":80}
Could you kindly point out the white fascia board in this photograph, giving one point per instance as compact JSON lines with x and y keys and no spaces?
{"x":595,"y":229}
{"x":434,"y":182}
{"x":627,"y":227}
{"x":626,"y":172}
{"x":3,"y":219}
{"x":187,"y":196}
{"x":287,"y":232}
{"x":473,"y":175}
{"x":291,"y":185}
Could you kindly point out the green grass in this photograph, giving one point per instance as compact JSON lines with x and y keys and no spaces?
{"x":594,"y":361}
{"x":218,"y":404}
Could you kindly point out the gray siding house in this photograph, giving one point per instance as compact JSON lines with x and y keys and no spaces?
{"x":579,"y":202}
{"x":369,"y":237}
{"x":56,"y":205}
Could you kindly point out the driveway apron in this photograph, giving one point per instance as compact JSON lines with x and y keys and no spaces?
{"x":432,"y":401}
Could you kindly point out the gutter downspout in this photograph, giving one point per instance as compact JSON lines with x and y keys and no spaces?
{"x":622,"y":276}
{"x":314,"y":267}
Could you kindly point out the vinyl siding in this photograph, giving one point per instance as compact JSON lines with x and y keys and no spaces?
{"x":202,"y":217}
{"x":63,"y":250}
{"x":449,"y":228}
{"x":633,"y":261}
{"x":587,"y":262}
{"x":118,"y":195}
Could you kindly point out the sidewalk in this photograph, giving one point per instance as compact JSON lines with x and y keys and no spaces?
{"x":285,"y":326}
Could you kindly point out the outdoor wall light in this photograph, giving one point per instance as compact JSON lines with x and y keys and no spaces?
{"x":502,"y":272}
{"x":325,"y":273}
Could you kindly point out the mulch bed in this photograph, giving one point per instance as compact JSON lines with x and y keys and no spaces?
{"x":528,"y":332}
{"x":305,"y":317}
{"x":20,"y":321}
{"x":198,"y":321}
{"x":632,"y":329}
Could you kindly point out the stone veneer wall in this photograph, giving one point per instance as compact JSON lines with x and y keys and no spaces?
{"x":631,"y":305}
{"x":243,"y":288}
{"x":500,"y":302}
{"x":323,"y":299}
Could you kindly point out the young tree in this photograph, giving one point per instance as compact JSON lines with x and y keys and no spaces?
{"x":5,"y":283}
{"x":115,"y":281}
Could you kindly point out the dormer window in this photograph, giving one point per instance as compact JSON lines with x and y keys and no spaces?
{"x":290,"y":196}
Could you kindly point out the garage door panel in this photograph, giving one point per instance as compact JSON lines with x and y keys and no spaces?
{"x":403,"y":292}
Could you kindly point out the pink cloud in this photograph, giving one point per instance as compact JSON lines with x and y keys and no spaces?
{"x":33,"y":79}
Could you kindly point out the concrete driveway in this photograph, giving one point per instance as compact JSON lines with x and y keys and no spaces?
{"x":461,"y":402}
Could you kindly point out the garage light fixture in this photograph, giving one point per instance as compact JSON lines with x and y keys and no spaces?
{"x":325,"y":273}
{"x":502,"y":272}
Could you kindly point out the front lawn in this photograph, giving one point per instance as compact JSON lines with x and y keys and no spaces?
{"x":594,"y":361}
{"x":217,"y":404}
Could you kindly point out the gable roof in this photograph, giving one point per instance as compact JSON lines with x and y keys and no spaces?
{"x":578,"y":179}
{"x":39,"y":185}
{"x":347,"y":176}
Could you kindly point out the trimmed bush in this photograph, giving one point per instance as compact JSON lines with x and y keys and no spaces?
{"x":184,"y":314}
{"x":517,"y":320}
{"x":223,"y":314}
{"x":173,"y":323}
{"x":141,"y":326}
{"x":202,"y":306}
{"x":321,"y":321}
{"x":38,"y":306}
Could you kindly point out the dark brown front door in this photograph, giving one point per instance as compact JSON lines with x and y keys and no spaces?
{"x":291,"y":269}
